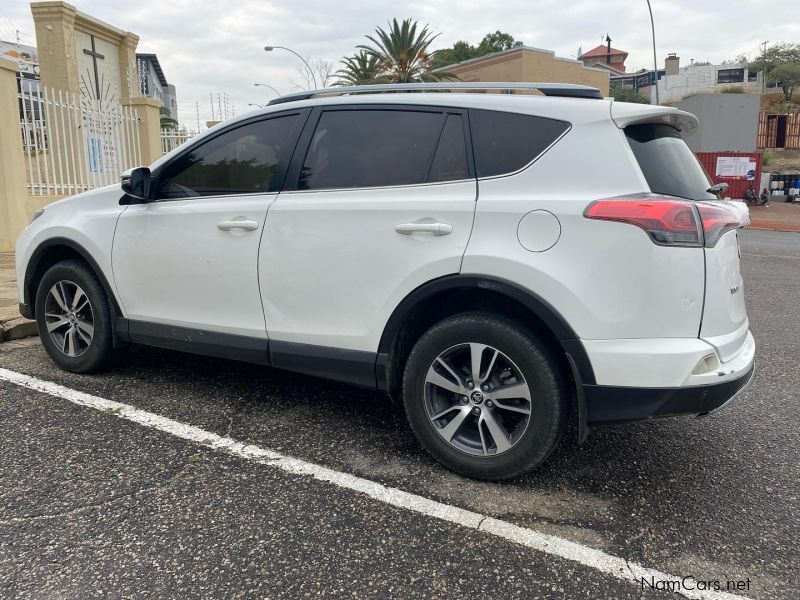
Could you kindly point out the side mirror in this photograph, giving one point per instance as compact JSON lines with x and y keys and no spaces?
{"x":136,"y":185}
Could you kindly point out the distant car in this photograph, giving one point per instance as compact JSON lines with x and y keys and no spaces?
{"x":499,"y":261}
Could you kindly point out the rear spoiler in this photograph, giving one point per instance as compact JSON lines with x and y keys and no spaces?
{"x":627,"y":113}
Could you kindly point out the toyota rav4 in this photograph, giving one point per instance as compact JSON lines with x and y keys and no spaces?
{"x":501,"y":262}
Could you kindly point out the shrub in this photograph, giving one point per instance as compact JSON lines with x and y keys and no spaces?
{"x":628,"y":95}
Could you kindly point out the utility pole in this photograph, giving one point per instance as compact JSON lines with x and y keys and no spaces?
{"x":764,"y":73}
{"x":655,"y":60}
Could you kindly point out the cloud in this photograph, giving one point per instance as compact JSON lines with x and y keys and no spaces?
{"x":217,"y":47}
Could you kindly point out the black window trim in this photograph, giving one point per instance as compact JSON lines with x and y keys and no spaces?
{"x":535,"y":158}
{"x":727,"y":74}
{"x":283,"y":164}
{"x":301,"y":148}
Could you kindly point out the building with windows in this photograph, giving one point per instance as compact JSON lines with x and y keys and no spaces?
{"x":675,"y":82}
{"x":153,"y":83}
{"x":527,"y":64}
{"x":25,"y":56}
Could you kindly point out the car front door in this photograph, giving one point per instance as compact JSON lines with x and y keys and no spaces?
{"x":378,"y":201}
{"x":185,"y":263}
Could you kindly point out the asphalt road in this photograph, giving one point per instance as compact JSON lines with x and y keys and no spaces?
{"x":93,"y":505}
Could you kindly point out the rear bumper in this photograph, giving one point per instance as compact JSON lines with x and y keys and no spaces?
{"x":642,"y":379}
{"x":610,"y":404}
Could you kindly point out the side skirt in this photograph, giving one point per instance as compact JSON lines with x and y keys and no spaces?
{"x":349,"y":366}
{"x":194,"y":341}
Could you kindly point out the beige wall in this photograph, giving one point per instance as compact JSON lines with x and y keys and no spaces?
{"x":56,"y":25}
{"x":16,"y":206}
{"x":531,"y":65}
{"x":14,"y":214}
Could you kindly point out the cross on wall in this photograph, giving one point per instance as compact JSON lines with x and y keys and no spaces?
{"x":95,"y":56}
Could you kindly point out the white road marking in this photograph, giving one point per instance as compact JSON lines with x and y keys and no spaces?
{"x":590,"y":557}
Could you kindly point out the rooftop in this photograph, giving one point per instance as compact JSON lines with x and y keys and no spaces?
{"x":519,"y":49}
{"x":602,"y":51}
{"x":153,"y":59}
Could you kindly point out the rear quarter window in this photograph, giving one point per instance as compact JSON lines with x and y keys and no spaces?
{"x":668,"y":164}
{"x":505,"y":142}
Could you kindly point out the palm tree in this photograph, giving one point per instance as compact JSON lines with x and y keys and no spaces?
{"x":167,"y":122}
{"x":361,"y":69}
{"x":403,"y":52}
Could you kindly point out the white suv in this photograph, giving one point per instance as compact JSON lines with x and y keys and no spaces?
{"x":502,"y":261}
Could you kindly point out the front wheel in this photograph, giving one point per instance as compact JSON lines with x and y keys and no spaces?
{"x":484,"y":396}
{"x":74,"y":318}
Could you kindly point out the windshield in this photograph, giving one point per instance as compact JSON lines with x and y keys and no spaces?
{"x":668,"y":164}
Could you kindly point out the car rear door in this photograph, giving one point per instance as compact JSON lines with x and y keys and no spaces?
{"x":725,"y":324}
{"x":671,"y":168}
{"x":379,"y":200}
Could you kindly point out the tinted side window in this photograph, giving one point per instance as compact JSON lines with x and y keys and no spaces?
{"x":505,"y":142}
{"x":667,"y":163}
{"x":242,"y":161}
{"x":370,"y":148}
{"x":450,"y":160}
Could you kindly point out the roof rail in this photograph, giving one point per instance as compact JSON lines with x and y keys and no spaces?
{"x":565,"y":90}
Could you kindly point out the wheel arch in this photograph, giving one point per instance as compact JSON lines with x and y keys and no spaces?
{"x":55,"y":250}
{"x":451,"y":294}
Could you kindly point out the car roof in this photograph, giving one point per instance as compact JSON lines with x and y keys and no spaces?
{"x":576,"y":111}
{"x":546,"y":106}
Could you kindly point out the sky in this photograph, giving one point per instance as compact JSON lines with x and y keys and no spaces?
{"x":216,"y":47}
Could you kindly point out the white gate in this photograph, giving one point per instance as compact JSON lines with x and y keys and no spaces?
{"x":73,"y":144}
{"x":172,"y":138}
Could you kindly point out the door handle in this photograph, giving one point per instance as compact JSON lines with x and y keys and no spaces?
{"x":434,"y":228}
{"x":246,"y":225}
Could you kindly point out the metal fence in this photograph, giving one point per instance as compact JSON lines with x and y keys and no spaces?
{"x":73,"y":144}
{"x":172,"y":138}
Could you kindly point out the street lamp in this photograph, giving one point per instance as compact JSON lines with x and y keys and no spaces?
{"x":310,"y":70}
{"x":256,"y":105}
{"x":267,"y":85}
{"x":655,"y":60}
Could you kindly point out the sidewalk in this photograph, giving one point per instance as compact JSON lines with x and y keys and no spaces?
{"x":12,"y":325}
{"x":779,"y":215}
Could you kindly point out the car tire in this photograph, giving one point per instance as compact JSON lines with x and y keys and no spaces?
{"x":496,"y":441}
{"x":73,"y":316}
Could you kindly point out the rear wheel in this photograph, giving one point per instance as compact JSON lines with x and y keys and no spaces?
{"x":74,"y":318}
{"x":484,"y":396}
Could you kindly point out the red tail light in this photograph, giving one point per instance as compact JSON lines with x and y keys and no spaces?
{"x":668,"y":221}
{"x":716,"y":222}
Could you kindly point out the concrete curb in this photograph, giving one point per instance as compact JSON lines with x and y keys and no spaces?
{"x":16,"y":329}
{"x":765,"y":228}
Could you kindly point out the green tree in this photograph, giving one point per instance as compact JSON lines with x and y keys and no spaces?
{"x":497,"y":42}
{"x":787,"y":76}
{"x":778,"y":56}
{"x":361,"y":69}
{"x":628,"y":95}
{"x":404,"y":52}
{"x":461,"y":50}
{"x":167,"y":122}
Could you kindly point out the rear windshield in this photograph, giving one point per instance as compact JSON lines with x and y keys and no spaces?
{"x":668,"y":164}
